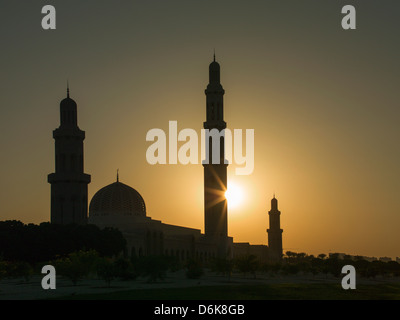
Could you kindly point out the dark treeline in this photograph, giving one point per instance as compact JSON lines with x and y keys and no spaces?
{"x":306,"y":265}
{"x":37,"y":243}
{"x":301,"y":263}
{"x":77,"y":251}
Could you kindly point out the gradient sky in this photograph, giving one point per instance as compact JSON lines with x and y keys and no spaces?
{"x":323,"y":103}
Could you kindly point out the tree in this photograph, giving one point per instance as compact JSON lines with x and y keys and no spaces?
{"x":77,"y":265}
{"x":321,"y":256}
{"x":393,"y":267}
{"x":333,"y":265}
{"x":290,"y":256}
{"x":272,"y":268}
{"x":106,"y":270}
{"x":20,"y":269}
{"x":124,"y":269}
{"x":38,"y":243}
{"x":290,"y":268}
{"x":223,"y":265}
{"x":301,"y":256}
{"x":111,"y":242}
{"x":3,"y":269}
{"x":247,"y":264}
{"x":153,"y":267}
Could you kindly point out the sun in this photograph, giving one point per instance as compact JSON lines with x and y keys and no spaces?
{"x":234,"y":195}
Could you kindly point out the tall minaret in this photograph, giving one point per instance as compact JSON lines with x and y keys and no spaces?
{"x":69,"y":184}
{"x":215,"y":174}
{"x":275,"y":232}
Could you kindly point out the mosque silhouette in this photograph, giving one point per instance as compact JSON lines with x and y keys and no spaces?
{"x":120,"y":206}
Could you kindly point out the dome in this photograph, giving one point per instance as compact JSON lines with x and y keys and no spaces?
{"x":68,"y":102}
{"x":117,"y":199}
{"x":214,"y":72}
{"x":214,"y":66}
{"x":68,"y":112}
{"x":214,"y":69}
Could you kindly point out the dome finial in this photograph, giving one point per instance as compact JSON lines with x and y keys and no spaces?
{"x":214,"y":54}
{"x":117,"y":175}
{"x":67,"y":88}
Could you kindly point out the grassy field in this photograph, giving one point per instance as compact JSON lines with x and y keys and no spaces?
{"x":388,"y":291}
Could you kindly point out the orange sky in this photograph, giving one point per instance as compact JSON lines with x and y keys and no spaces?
{"x":323,"y":103}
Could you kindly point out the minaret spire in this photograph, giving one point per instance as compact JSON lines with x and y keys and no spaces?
{"x":214,"y":54}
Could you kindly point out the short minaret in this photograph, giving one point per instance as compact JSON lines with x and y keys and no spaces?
{"x":274,"y":232}
{"x":215,"y":174}
{"x":69,"y":183}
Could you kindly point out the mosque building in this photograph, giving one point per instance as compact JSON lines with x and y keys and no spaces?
{"x":121,"y":206}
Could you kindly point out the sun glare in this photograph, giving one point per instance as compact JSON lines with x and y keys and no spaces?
{"x":234,"y":195}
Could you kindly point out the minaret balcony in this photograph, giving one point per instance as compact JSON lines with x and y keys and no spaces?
{"x":68,"y":132}
{"x":68,"y":177}
{"x":215,"y":124}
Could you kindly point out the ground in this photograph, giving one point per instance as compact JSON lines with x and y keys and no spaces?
{"x":176,"y":286}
